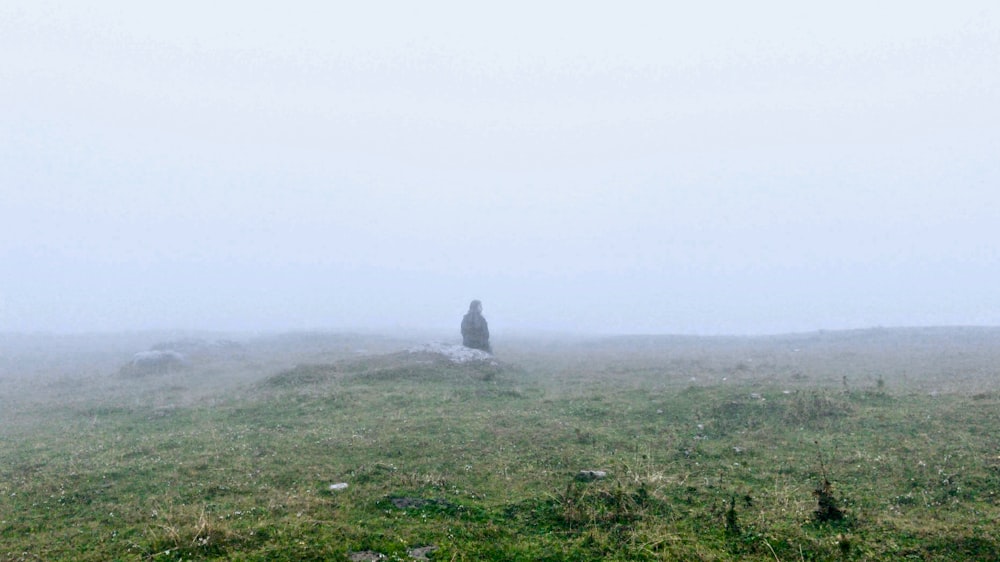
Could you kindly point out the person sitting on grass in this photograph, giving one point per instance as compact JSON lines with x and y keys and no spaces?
{"x":475,"y":330}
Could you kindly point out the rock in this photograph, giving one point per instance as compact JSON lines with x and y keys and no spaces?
{"x":154,"y":362}
{"x":454,"y":353}
{"x":338,"y":486}
{"x":195,"y":348}
{"x":591,"y":475}
{"x":420,"y":553}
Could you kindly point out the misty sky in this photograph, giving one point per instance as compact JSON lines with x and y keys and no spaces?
{"x":650,"y":167}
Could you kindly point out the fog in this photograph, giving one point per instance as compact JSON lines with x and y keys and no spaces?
{"x":579,"y":167}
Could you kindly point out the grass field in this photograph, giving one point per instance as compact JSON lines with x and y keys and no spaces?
{"x":868,"y":445}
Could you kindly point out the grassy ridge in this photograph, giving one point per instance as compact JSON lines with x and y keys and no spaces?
{"x":480,"y":463}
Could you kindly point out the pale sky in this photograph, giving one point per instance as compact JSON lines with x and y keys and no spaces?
{"x":627,"y":167}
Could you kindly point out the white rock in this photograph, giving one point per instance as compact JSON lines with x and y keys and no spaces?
{"x":588,"y":475}
{"x":453,"y":353}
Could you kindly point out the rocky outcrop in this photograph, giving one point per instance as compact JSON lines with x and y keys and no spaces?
{"x":154,"y":362}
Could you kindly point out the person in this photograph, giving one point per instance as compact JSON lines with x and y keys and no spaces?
{"x":475,"y":330}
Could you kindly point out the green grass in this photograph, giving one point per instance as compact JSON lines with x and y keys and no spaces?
{"x":481,"y":464}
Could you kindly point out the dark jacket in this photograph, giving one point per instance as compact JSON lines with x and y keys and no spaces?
{"x":475,"y":331}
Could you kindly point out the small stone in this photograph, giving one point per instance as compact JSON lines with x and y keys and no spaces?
{"x":338,"y":486}
{"x":421,"y":553}
{"x":590,"y":475}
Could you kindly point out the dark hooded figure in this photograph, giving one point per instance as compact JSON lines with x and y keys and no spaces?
{"x":475,"y":331}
